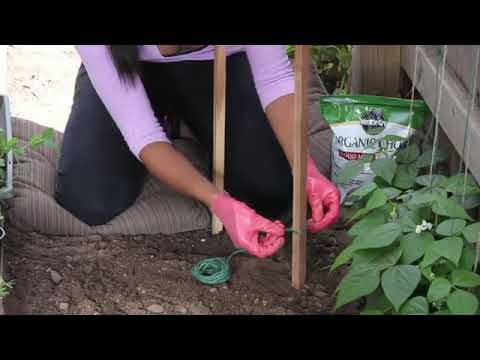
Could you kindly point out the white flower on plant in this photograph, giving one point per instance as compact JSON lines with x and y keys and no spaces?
{"x":426,"y":225}
{"x":418,"y":229}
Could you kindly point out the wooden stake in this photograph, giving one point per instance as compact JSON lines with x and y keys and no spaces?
{"x":219,"y":88}
{"x":300,"y":132}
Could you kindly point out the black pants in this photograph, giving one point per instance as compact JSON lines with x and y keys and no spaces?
{"x":98,"y":176}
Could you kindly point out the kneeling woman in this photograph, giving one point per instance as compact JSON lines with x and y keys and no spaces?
{"x":118,"y":131}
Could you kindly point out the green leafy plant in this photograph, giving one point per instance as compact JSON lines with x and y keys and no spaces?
{"x":5,"y":287}
{"x":413,"y":249}
{"x":37,"y":140}
{"x":333,"y":63}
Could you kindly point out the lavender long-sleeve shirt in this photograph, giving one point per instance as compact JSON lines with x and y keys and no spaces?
{"x":130,"y":107}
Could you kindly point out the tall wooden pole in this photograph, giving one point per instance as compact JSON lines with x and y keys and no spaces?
{"x":219,"y":89}
{"x":300,"y":133}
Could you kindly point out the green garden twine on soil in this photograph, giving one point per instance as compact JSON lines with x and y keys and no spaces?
{"x":213,"y":271}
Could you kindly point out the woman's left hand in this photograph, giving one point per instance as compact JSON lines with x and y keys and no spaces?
{"x":324,"y":199}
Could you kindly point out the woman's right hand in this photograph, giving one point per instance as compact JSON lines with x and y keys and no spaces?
{"x":248,"y":230}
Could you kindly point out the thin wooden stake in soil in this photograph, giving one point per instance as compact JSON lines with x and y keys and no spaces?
{"x":219,"y":87}
{"x":300,"y":132}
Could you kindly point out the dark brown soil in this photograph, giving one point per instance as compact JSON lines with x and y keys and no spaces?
{"x":152,"y":275}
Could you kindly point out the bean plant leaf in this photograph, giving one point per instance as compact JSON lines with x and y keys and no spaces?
{"x":343,"y":258}
{"x":472,"y":232}
{"x":449,"y":208}
{"x":377,"y":200}
{"x":451,"y":227}
{"x":425,"y":159}
{"x":384,"y":168}
{"x":405,"y":176}
{"x":463,"y":278}
{"x":352,"y":169}
{"x":371,"y":312}
{"x":455,"y":185}
{"x":436,"y":180}
{"x":462,"y":302}
{"x":467,"y":260}
{"x":449,"y":248}
{"x":363,"y":190}
{"x":391,"y":192}
{"x":409,"y":154}
{"x":375,"y":218}
{"x":399,"y":283}
{"x":414,"y":246}
{"x":439,"y":289}
{"x":378,"y":300}
{"x":408,"y":221}
{"x":358,"y":282}
{"x":378,"y":237}
{"x":468,"y":202}
{"x":381,"y":258}
{"x":417,"y":305}
{"x":425,"y":197}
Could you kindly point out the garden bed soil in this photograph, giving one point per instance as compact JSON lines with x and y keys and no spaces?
{"x":148,"y":275}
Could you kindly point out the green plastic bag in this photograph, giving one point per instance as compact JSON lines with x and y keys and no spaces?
{"x":360,"y":122}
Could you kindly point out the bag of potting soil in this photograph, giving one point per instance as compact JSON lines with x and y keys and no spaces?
{"x":364,"y":124}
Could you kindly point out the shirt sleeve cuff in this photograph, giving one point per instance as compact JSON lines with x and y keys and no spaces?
{"x":276,"y":91}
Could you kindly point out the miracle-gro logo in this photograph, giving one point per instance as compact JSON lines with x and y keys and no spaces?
{"x":373,"y":122}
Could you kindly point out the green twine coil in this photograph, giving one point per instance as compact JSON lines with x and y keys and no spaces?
{"x":214,"y":271}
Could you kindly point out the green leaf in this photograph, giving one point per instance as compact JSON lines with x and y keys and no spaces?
{"x":375,"y":218}
{"x":377,"y":199}
{"x":462,"y":302}
{"x":425,"y":197}
{"x":442,"y":312}
{"x":451,"y":227}
{"x":405,"y":176}
{"x":391,"y":192}
{"x":469,"y":202}
{"x":472,"y":232}
{"x":363,"y":190}
{"x":361,"y":212}
{"x":425,"y":159}
{"x":399,"y":282}
{"x":381,"y":258}
{"x":380,"y":236}
{"x":463,"y":278}
{"x":371,"y":312}
{"x":414,"y":246}
{"x":384,"y":168}
{"x":409,"y":221}
{"x":409,"y":154}
{"x":343,"y":257}
{"x":439,"y":289}
{"x":449,"y":248}
{"x":352,"y":169}
{"x":467,"y":260}
{"x":358,"y":282}
{"x":449,"y":208}
{"x":377,"y":300}
{"x":455,"y":185}
{"x":424,"y":180}
{"x":415,"y":306}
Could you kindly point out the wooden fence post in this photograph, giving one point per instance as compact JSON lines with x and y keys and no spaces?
{"x":376,"y":70}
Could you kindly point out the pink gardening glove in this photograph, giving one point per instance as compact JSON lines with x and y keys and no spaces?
{"x":324,"y":199}
{"x":248,"y":230}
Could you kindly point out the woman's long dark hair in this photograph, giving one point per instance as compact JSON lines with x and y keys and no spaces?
{"x":126,"y":59}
